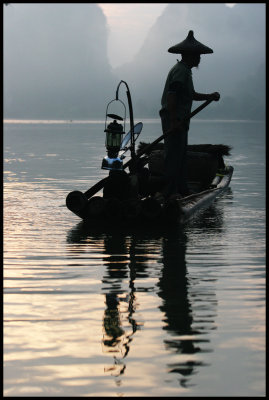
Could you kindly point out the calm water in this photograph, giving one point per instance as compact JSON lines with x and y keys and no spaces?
{"x":179,"y":312}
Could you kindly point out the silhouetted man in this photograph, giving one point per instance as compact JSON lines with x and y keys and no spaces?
{"x":176,"y":102}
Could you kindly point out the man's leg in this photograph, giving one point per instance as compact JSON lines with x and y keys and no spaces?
{"x":169,"y":158}
{"x":182,"y":171}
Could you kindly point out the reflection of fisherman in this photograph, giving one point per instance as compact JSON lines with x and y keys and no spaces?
{"x":176,"y":306}
{"x":176,"y":102}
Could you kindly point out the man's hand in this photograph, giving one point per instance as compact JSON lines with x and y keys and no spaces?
{"x":214,"y":96}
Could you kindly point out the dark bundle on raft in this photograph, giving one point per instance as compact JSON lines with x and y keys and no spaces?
{"x":203,"y":162}
{"x":219,"y":149}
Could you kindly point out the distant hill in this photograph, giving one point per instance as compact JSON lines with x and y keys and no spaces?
{"x":236,"y":68}
{"x":55,"y":61}
{"x":56,"y":64}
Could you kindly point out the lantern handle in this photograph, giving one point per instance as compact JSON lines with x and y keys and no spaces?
{"x":109,"y":115}
{"x":132,"y":147}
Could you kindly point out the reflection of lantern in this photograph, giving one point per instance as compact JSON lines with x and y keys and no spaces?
{"x":114,"y":133}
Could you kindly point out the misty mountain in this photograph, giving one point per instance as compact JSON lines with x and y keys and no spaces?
{"x":236,"y":68}
{"x":56,"y":64}
{"x":55,"y":61}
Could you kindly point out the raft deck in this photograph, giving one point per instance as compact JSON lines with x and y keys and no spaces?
{"x":149,"y":210}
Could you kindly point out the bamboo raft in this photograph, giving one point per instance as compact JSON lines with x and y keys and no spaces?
{"x":134,"y":199}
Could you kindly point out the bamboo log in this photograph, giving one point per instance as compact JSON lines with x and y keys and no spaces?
{"x":113,"y":208}
{"x":131,"y":209}
{"x":95,"y":207}
{"x":172,"y":209}
{"x":192,"y":203}
{"x":151,"y":208}
{"x":215,"y":182}
{"x":77,"y":202}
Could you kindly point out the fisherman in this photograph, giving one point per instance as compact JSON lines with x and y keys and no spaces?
{"x":176,"y":103}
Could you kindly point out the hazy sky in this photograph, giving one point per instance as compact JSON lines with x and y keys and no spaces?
{"x":128,"y":25}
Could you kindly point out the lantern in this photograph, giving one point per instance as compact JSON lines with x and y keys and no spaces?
{"x":114,"y":132}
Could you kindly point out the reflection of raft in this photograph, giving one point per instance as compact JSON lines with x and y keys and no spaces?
{"x":134,"y":198}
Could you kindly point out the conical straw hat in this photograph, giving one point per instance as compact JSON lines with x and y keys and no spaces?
{"x":190,"y":45}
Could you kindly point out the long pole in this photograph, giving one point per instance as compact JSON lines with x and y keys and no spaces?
{"x":99,"y":185}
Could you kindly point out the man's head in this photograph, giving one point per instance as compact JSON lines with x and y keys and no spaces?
{"x":191,"y":59}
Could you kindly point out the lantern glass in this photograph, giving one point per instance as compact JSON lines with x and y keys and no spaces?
{"x":113,"y":139}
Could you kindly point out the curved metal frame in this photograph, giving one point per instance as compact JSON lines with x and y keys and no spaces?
{"x":132,"y":147}
{"x":124,"y":113}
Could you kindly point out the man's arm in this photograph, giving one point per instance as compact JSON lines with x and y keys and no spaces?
{"x":203,"y":96}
